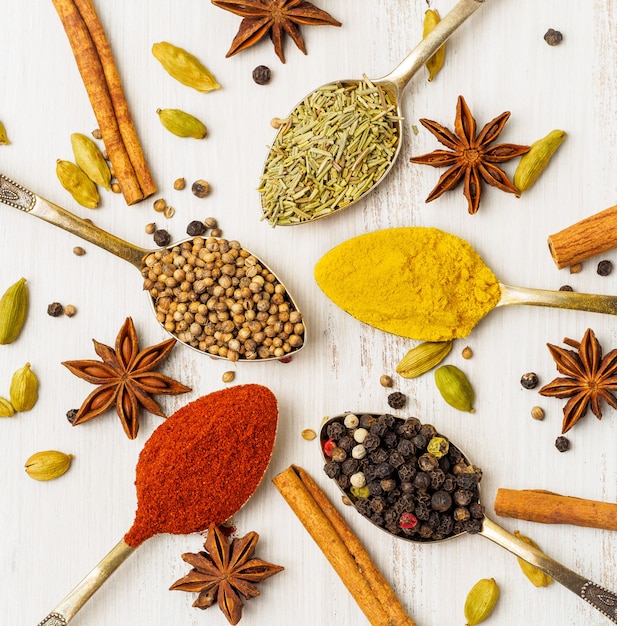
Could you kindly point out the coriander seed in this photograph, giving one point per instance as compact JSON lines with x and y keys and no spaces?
{"x":150,"y":228}
{"x":385,"y":381}
{"x":216,"y":232}
{"x":179,"y":184}
{"x":70,"y":310}
{"x":78,"y":251}
{"x":309,"y":434}
{"x":159,"y":205}
{"x":97,"y":134}
{"x":529,"y":380}
{"x":467,"y":352}
{"x":537,"y":413}
{"x":228,"y":376}
{"x":200,"y":188}
{"x":210,"y":222}
{"x":169,"y":212}
{"x":115,"y":188}
{"x":55,"y":309}
{"x":576,"y":268}
{"x":262,"y":74}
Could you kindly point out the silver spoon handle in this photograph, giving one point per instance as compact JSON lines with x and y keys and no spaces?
{"x":17,"y":196}
{"x":402,"y":74}
{"x":600,"y":598}
{"x":66,"y":610}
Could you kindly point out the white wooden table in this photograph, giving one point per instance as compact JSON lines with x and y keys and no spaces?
{"x":53,"y":533}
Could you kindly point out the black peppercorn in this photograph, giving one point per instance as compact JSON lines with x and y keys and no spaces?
{"x":553,"y":37}
{"x":562,"y":443}
{"x":55,"y":309}
{"x":371,"y":442}
{"x":332,"y":469}
{"x":336,"y":430}
{"x":262,"y":75}
{"x":350,"y":466}
{"x":366,"y":420}
{"x":161,"y":237}
{"x":428,"y":462}
{"x":441,"y":501}
{"x":477,"y":510}
{"x":437,"y":478}
{"x":196,"y":228}
{"x":566,"y":288}
{"x":604,"y":268}
{"x":347,"y":443}
{"x":397,"y":400}
{"x":422,"y":481}
{"x":529,"y":380}
{"x":70,"y":415}
{"x":388,"y":484}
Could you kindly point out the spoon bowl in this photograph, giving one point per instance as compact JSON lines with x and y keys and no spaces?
{"x":284,"y":188}
{"x":426,"y":501}
{"x":17,"y":196}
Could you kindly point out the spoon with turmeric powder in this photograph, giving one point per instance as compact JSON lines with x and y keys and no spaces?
{"x":235,"y":309}
{"x":426,"y":284}
{"x":415,"y":484}
{"x":341,"y":140}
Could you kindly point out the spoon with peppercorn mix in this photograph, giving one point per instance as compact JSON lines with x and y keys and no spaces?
{"x":415,"y":484}
{"x":341,"y":140}
{"x":235,"y":309}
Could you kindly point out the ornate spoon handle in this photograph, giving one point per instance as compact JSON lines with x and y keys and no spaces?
{"x":66,"y":610}
{"x":600,"y":598}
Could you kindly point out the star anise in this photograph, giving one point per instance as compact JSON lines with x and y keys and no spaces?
{"x":274,"y":17}
{"x":470,"y":157}
{"x":225,"y":572}
{"x":590,"y":378}
{"x":125,"y":378}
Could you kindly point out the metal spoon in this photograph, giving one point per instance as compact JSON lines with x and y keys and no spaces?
{"x":17,"y":196}
{"x":393,"y":84}
{"x":600,"y":598}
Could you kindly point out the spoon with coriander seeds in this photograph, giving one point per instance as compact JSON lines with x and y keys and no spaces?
{"x":415,"y":484}
{"x":199,"y":467}
{"x":209,"y":293}
{"x":341,"y":140}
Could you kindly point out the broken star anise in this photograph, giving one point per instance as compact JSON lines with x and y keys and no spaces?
{"x":470,"y":156}
{"x":125,"y":378}
{"x":589,"y":378}
{"x":226,"y":571}
{"x":275,"y":17}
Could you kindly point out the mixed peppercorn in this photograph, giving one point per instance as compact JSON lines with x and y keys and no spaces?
{"x":403,"y":476}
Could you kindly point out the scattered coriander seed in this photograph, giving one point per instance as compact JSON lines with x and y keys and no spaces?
{"x":70,"y":310}
{"x":179,"y":184}
{"x":529,"y":380}
{"x":200,"y":188}
{"x":537,"y":412}
{"x":397,"y":400}
{"x":78,"y":251}
{"x":150,"y":228}
{"x":70,"y":415}
{"x":553,"y":37}
{"x":159,"y":205}
{"x":216,"y":232}
{"x":309,"y":434}
{"x":161,"y":237}
{"x":228,"y":376}
{"x":115,"y":188}
{"x":346,"y":501}
{"x":565,"y":288}
{"x":97,"y":134}
{"x":169,"y":212}
{"x":562,"y":443}
{"x":210,"y":222}
{"x":604,"y":267}
{"x":262,"y":74}
{"x":576,"y":268}
{"x":385,"y":381}
{"x":55,"y":309}
{"x":467,"y":352}
{"x":196,"y":228}
{"x":277,"y":122}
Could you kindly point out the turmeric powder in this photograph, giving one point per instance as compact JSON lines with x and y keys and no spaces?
{"x":416,"y":282}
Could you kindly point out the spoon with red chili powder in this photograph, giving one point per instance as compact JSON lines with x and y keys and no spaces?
{"x":199,"y":467}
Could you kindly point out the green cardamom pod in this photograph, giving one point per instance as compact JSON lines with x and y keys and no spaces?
{"x":6,"y":408}
{"x":481,"y":601}
{"x":424,"y":357}
{"x":182,"y":124}
{"x":13,"y":309}
{"x":77,"y":183}
{"x":534,"y":162}
{"x":455,"y":388}
{"x":4,"y":140}
{"x":48,"y":464}
{"x":535,"y":575}
{"x":90,"y":159}
{"x":435,"y":63}
{"x":184,"y":67}
{"x":24,"y":388}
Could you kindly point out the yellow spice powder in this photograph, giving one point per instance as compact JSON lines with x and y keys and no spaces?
{"x":416,"y":282}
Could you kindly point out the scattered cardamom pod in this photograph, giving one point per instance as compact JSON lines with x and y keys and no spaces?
{"x":182,"y":124}
{"x":435,"y":63}
{"x":184,"y":67}
{"x":481,"y":601}
{"x":48,"y":464}
{"x":13,"y":309}
{"x":23,"y":391}
{"x":4,"y":140}
{"x":77,"y":183}
{"x":455,"y":388}
{"x":424,"y":357}
{"x":90,"y":159}
{"x":534,"y":162}
{"x":6,"y":408}
{"x":536,"y":576}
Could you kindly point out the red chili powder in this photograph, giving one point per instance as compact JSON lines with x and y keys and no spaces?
{"x":204,"y":462}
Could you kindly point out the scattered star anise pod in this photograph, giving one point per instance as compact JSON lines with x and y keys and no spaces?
{"x":273,"y":17}
{"x":589,"y":379}
{"x":470,"y":157}
{"x":125,"y":378}
{"x":225,"y":572}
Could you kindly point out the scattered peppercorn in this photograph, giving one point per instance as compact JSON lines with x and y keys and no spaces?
{"x":200,"y":188}
{"x":196,"y":228}
{"x":179,"y":184}
{"x":467,"y":352}
{"x":397,"y":400}
{"x":70,"y":415}
{"x":385,"y":381}
{"x":562,"y":443}
{"x":529,"y":380}
{"x":55,"y":309}
{"x":553,"y":37}
{"x":78,"y":251}
{"x":565,"y":288}
{"x":161,"y":237}
{"x":262,"y":74}
{"x":604,"y":268}
{"x":537,"y":413}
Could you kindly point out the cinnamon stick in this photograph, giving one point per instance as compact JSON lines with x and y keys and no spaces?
{"x":546,"y":507}
{"x":589,"y":237}
{"x":342,"y":548}
{"x":102,"y":82}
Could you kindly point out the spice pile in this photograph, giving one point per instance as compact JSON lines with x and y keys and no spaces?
{"x":404,"y":476}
